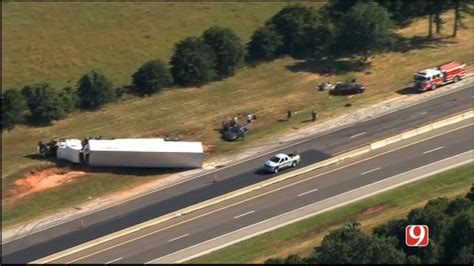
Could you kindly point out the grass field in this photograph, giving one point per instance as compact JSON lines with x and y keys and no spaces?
{"x":300,"y":238}
{"x":267,"y":90}
{"x":59,"y":42}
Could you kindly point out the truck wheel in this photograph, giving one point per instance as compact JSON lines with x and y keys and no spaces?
{"x":276,"y":170}
{"x":293,"y":164}
{"x":433,"y":86}
{"x":456,"y":79}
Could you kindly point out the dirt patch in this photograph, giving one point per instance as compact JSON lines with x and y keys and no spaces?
{"x":40,"y":180}
{"x":208,"y":147}
{"x":376,"y":209}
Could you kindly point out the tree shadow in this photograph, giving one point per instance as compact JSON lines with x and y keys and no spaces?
{"x":339,"y":66}
{"x":29,"y":121}
{"x":328,"y":67}
{"x":405,"y":45}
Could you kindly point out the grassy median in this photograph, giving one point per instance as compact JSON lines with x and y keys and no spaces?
{"x":300,"y":238}
{"x":268,"y":90}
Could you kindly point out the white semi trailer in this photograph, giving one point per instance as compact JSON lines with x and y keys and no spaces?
{"x":135,"y":153}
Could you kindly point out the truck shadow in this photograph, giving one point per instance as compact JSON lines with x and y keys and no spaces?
{"x":407,"y":91}
{"x":58,"y":163}
{"x":136,"y":171}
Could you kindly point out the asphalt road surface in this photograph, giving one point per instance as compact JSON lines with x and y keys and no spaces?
{"x":168,"y":237}
{"x":69,"y":234}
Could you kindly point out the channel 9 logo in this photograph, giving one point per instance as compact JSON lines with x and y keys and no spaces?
{"x":417,"y":235}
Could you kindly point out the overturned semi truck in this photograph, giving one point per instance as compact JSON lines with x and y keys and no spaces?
{"x":150,"y":152}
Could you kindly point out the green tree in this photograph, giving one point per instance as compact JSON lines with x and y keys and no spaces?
{"x":403,"y":11}
{"x":334,"y":10}
{"x":395,"y":229}
{"x":14,"y":108}
{"x":151,"y":77}
{"x":229,"y":50}
{"x":459,"y":235}
{"x":193,"y":63}
{"x":264,"y":43}
{"x":349,"y":245}
{"x":44,"y":103}
{"x":315,"y":42}
{"x":275,"y":261}
{"x":470,"y":194}
{"x":68,"y":99}
{"x":294,"y":259}
{"x":365,"y":30}
{"x":120,"y":91}
{"x":465,"y":256}
{"x":433,"y":215}
{"x":94,"y":90}
{"x":290,"y":23}
{"x":457,"y":206}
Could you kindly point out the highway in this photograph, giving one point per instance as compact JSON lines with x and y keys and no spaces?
{"x":194,"y":228}
{"x":237,"y":176}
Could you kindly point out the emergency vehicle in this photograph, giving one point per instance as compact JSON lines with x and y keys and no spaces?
{"x":430,"y":79}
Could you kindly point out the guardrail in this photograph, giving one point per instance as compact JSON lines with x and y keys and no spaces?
{"x":359,"y":151}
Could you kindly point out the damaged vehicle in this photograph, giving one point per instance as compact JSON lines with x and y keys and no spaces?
{"x":347,"y":89}
{"x":234,"y":133}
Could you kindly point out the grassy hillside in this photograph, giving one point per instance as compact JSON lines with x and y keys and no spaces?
{"x":59,"y":42}
{"x":267,"y":90}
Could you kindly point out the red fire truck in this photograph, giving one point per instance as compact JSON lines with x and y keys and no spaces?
{"x":431,"y":78}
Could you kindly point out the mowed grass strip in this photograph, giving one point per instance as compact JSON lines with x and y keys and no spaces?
{"x":300,"y":238}
{"x":268,"y":90}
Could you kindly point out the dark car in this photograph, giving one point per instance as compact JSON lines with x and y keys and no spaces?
{"x":235,"y":133}
{"x":347,"y":89}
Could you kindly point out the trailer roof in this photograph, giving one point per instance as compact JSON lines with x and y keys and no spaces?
{"x":144,"y":145}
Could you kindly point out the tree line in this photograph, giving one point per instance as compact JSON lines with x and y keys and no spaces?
{"x":338,"y":29}
{"x":451,"y":231}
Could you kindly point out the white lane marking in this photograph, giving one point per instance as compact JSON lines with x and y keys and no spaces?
{"x":228,"y":243}
{"x":356,"y":135}
{"x":313,"y":137}
{"x":307,"y":192}
{"x":371,"y":171}
{"x":243,"y":214}
{"x":435,"y":149}
{"x":423,"y":113}
{"x":117,"y":259}
{"x":176,"y":238}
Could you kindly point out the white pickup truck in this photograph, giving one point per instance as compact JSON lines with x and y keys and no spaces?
{"x":282,"y":161}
